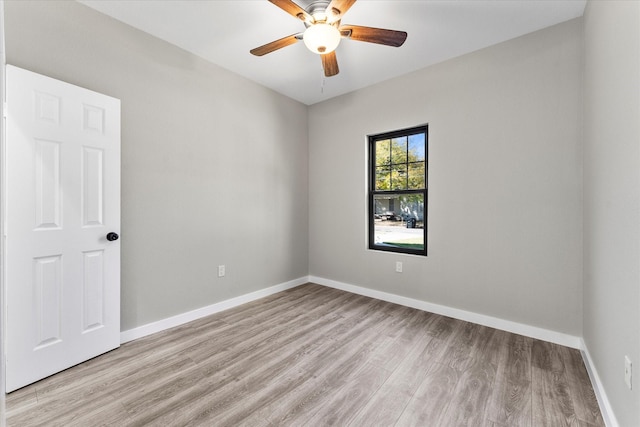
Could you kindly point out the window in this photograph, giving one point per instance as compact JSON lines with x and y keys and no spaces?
{"x":398,"y":164}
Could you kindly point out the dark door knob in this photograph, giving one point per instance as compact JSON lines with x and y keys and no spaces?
{"x":112,"y":236}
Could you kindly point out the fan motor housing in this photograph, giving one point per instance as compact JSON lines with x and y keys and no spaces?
{"x":314,"y":8}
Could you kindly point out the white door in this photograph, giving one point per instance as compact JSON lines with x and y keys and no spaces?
{"x":62,"y":201}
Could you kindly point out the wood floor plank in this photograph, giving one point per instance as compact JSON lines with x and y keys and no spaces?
{"x":329,"y":364}
{"x":468,"y":406}
{"x":341,"y":405}
{"x":582,"y":395}
{"x":459,"y":352}
{"x":510,"y":403}
{"x":259,"y":310}
{"x":306,"y":387}
{"x":318,"y":356}
{"x":90,"y":393}
{"x":459,"y":393}
{"x":269,"y":329}
{"x":429,"y":404}
{"x":346,"y":374}
{"x":517,"y":366}
{"x":386,"y":406}
{"x":551,"y":403}
{"x":411,"y":332}
{"x":269,"y":358}
{"x":22,"y":400}
{"x":218,"y":378}
{"x":96,"y":368}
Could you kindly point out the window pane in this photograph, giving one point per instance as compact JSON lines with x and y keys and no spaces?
{"x":383,"y":152}
{"x":397,"y":193}
{"x":399,"y":150}
{"x":383,"y":178}
{"x":398,"y":221}
{"x":416,"y":176}
{"x":416,"y":147}
{"x":399,"y":177}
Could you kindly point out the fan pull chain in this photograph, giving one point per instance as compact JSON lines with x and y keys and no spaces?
{"x":324,"y":79}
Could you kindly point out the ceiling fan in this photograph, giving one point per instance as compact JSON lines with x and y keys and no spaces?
{"x":323,"y":32}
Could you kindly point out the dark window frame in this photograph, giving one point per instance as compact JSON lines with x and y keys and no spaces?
{"x":372,"y":139}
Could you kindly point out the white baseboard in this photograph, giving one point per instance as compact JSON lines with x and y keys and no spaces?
{"x":494,"y":322}
{"x":481,"y":319}
{"x":605,"y":406}
{"x":180,"y":319}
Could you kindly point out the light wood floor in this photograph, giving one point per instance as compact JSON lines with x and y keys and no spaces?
{"x":319,"y":356}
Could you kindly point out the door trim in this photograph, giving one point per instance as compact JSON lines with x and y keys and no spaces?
{"x":2,"y":215}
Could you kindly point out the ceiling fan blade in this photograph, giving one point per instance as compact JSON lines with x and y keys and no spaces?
{"x":330,"y":64}
{"x":294,"y":10}
{"x":374,"y":35}
{"x":275,"y":45}
{"x":337,"y":8}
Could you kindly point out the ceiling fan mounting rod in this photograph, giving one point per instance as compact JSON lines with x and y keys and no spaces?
{"x":318,"y":9}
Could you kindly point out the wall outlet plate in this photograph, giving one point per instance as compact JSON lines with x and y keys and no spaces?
{"x":221,"y":271}
{"x":628,"y":372}
{"x":398,"y":266}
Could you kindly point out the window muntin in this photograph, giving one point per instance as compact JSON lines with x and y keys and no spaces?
{"x":398,"y":191}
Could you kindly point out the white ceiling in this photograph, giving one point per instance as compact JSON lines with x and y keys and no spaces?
{"x":223,"y":32}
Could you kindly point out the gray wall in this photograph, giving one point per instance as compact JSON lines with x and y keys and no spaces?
{"x":505,"y":213}
{"x":612,"y":198}
{"x":214,"y":167}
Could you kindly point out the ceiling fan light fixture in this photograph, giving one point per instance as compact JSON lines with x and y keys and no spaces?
{"x":321,"y":38}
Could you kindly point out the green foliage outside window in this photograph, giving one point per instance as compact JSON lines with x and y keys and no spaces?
{"x":400,"y":163}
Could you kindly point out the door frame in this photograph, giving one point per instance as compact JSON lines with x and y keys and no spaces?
{"x":3,"y":192}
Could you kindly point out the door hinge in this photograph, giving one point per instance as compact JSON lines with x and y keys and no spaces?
{"x":4,"y":109}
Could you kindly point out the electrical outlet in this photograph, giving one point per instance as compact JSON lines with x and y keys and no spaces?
{"x":398,"y":266}
{"x":221,"y":271}
{"x":628,"y":371}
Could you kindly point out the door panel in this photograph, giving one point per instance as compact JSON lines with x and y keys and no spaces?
{"x":62,"y":198}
